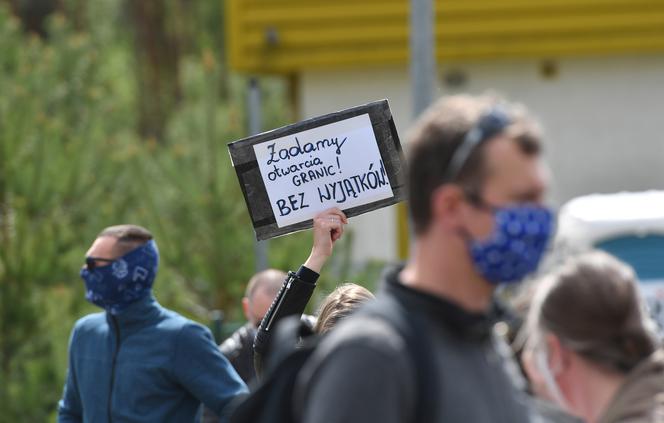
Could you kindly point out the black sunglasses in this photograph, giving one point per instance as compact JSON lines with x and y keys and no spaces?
{"x":91,"y":262}
{"x":488,"y":125}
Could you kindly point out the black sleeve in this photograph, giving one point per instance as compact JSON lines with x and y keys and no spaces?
{"x":291,"y":300}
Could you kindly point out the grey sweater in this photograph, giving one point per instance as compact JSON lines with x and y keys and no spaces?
{"x":363,"y":372}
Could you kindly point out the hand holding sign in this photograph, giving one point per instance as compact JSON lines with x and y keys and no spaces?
{"x":328,"y":228}
{"x":349,"y":159}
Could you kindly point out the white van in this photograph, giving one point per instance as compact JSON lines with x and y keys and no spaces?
{"x":629,"y":225}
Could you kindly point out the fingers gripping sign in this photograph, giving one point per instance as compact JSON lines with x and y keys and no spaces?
{"x":328,"y":228}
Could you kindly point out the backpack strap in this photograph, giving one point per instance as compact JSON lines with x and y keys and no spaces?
{"x":415,"y":331}
{"x":270,"y":400}
{"x":291,"y":334}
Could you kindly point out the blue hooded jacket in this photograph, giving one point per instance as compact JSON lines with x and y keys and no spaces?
{"x":147,"y":364}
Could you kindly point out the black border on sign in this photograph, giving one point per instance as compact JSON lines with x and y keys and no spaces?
{"x":253,"y":188}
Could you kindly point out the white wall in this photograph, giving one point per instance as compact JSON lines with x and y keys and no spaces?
{"x":603,"y":117}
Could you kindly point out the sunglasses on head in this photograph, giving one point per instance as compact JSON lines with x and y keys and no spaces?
{"x":488,"y":125}
{"x":91,"y":262}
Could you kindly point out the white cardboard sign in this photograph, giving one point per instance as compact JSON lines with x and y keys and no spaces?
{"x":338,"y":164}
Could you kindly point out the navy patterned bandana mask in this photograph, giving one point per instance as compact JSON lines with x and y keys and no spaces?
{"x":127,"y":279}
{"x":516,"y":246}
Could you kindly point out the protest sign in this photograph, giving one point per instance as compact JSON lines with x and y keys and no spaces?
{"x":349,"y":159}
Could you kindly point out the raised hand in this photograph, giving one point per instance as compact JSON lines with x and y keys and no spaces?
{"x":328,"y":228}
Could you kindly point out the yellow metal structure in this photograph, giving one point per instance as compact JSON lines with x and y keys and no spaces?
{"x":289,"y":36}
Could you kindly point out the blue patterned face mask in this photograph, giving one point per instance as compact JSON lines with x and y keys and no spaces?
{"x":515,"y":247}
{"x":124,"y":281}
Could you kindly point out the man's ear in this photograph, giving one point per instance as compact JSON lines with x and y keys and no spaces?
{"x":446,"y":204}
{"x":245,"y":308}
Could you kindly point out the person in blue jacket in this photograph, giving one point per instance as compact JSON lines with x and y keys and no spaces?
{"x":137,"y":361}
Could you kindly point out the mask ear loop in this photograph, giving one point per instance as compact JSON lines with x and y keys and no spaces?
{"x":475,"y":200}
{"x":542,"y":363}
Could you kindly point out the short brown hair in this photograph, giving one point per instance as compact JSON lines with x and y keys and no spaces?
{"x":592,"y":304}
{"x":129,"y":237}
{"x":339,"y":304}
{"x":440,"y":131}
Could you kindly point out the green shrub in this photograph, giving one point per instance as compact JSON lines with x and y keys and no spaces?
{"x":71,"y":163}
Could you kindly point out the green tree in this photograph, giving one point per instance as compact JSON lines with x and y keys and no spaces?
{"x":61,"y":127}
{"x":72,"y":162}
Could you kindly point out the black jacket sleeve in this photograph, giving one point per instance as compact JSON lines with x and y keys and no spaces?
{"x":291,"y":300}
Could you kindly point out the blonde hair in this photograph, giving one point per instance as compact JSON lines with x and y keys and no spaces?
{"x":339,"y":304}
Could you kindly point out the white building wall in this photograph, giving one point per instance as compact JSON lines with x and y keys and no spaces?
{"x":603,"y":119}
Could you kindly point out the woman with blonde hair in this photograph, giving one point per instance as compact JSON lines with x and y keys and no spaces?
{"x":340,"y":304}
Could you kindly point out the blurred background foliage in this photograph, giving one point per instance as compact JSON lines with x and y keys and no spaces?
{"x":119,"y":111}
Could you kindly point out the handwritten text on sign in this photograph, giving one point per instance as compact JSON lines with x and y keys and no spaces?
{"x":332,"y":165}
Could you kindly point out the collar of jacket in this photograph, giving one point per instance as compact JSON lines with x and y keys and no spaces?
{"x":144,"y":312}
{"x":640,"y":397}
{"x":443,"y":312}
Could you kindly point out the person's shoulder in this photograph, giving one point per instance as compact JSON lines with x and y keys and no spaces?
{"x":173,"y":321}
{"x":89,"y":330}
{"x":367,"y":341}
{"x":91,"y":323}
{"x":364,"y":353}
{"x":188,"y":330}
{"x":239,"y":340}
{"x":365,"y":332}
{"x":172,"y":326}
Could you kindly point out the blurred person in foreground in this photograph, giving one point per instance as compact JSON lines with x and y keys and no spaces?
{"x":592,"y":348}
{"x":137,"y":361}
{"x":476,"y":190}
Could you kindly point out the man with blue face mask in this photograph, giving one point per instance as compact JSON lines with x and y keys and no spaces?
{"x":476,"y":188}
{"x":137,"y":361}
